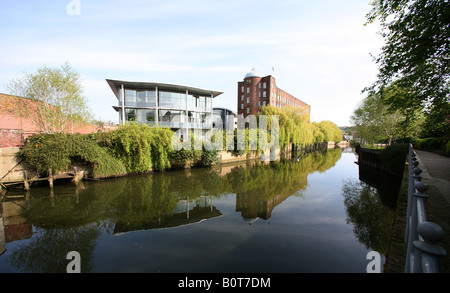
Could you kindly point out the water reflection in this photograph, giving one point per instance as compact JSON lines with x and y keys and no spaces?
{"x":370,"y":205}
{"x":372,"y":220}
{"x":73,"y":217}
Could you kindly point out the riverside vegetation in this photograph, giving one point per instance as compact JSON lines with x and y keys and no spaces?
{"x":138,"y":148}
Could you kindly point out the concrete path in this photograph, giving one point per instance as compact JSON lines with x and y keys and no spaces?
{"x":436,"y":173}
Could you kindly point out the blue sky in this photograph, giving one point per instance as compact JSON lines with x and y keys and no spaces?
{"x":319,"y":50}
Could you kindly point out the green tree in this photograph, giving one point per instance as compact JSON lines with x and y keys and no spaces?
{"x":51,"y":98}
{"x":373,"y":121}
{"x":416,"y":55}
{"x":330,"y":130}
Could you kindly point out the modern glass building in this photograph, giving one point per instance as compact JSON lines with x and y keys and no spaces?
{"x":169,"y":105}
{"x":224,"y":118}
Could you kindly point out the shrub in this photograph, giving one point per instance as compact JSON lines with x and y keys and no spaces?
{"x":131,"y":145}
{"x":58,"y":151}
{"x":431,"y":143}
{"x":178,"y":159}
{"x":209,"y":157}
{"x":140,"y":147}
{"x":393,"y":158}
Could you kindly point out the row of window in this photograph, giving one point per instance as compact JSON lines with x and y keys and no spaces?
{"x":147,"y":98}
{"x":264,"y":86}
{"x":170,"y":118}
{"x":259,"y":104}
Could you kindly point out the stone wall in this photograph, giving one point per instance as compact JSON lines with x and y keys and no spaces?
{"x":8,"y":161}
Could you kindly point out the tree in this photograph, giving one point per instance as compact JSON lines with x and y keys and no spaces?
{"x":416,"y":53}
{"x":331,"y":131}
{"x":373,"y":121}
{"x":51,"y":98}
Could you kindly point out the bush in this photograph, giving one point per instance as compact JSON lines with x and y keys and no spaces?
{"x":140,"y":147}
{"x":431,"y":144}
{"x":131,"y":145}
{"x":393,"y":158}
{"x":58,"y":151}
{"x":178,"y":159}
{"x":209,"y":157}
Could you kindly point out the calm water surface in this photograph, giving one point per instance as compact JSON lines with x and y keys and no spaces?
{"x":311,"y":215}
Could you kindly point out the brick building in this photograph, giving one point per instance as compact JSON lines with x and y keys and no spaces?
{"x":256,"y":91}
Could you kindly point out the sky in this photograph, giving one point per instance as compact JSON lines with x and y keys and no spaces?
{"x":318,"y":51}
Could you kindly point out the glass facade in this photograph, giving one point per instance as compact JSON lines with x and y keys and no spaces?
{"x":166,"y":108}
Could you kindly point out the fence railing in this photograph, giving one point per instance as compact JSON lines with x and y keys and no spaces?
{"x":421,"y":236}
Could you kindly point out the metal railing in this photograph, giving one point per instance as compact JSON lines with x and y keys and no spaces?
{"x":421,"y":236}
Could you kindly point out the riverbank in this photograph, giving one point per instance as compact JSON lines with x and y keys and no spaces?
{"x":395,"y":258}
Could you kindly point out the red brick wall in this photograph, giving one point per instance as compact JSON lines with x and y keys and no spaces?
{"x":10,"y":138}
{"x":9,"y":121}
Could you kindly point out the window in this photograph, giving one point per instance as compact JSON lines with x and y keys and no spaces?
{"x":208,"y":103}
{"x":264,"y":103}
{"x":242,"y":106}
{"x":248,"y":90}
{"x":264,"y":94}
{"x":150,"y":116}
{"x":242,"y":88}
{"x":248,"y":100}
{"x":130,"y":114}
{"x":259,"y":94}
{"x":264,"y":85}
{"x":242,"y":98}
{"x":248,"y":110}
{"x":259,"y":85}
{"x":130,"y":97}
{"x":259,"y":103}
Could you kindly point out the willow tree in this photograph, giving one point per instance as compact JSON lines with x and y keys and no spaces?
{"x":51,"y":99}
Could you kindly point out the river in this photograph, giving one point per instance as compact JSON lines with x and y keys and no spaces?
{"x":308,"y":215}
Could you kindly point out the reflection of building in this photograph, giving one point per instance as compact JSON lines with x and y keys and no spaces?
{"x":185,"y":212}
{"x":256,"y":91}
{"x":12,"y":225}
{"x":164,"y":104}
{"x":224,"y":119}
{"x":252,"y":207}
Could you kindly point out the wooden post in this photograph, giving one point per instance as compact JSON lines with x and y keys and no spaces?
{"x":75,"y":177}
{"x":52,"y":198}
{"x":50,"y":178}
{"x":26,"y":186}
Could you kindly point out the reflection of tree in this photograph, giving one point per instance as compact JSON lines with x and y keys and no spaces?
{"x":72,"y":217}
{"x":372,"y":220}
{"x":66,"y":221}
{"x":260,"y":188}
{"x":147,"y":199}
{"x":47,"y":250}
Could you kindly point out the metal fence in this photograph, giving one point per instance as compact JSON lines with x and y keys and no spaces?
{"x":421,"y":236}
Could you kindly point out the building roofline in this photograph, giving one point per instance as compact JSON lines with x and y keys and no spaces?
{"x":226,"y":109}
{"x":116,"y":84}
